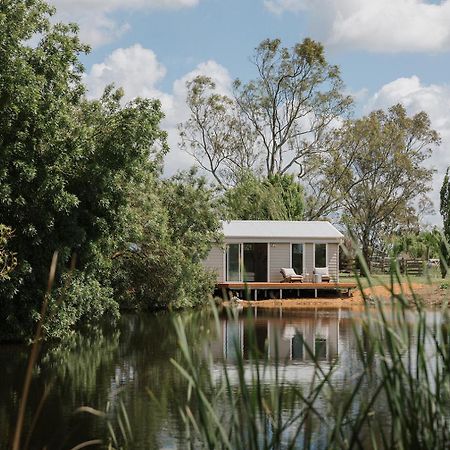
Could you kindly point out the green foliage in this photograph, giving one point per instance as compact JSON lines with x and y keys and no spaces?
{"x":175,"y":224}
{"x":376,"y":170}
{"x":422,"y":245}
{"x":215,"y":134}
{"x":8,"y":260}
{"x":83,"y":299}
{"x":445,"y":213}
{"x":279,"y":197}
{"x":67,"y":165}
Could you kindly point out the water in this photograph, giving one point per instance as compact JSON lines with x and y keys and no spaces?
{"x":131,"y":364}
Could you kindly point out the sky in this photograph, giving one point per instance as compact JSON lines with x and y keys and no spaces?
{"x":389,"y":51}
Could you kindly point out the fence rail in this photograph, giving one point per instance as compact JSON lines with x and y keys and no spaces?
{"x":383,"y":265}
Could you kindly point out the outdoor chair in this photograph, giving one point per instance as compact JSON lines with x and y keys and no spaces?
{"x":323,"y":272}
{"x":290,"y":276}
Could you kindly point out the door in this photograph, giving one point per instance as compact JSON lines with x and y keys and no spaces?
{"x":255,"y":262}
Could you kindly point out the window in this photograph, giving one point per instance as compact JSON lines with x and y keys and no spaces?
{"x":297,"y":346}
{"x":233,"y":262}
{"x":320,"y":255}
{"x":297,"y":258}
{"x":320,"y":348}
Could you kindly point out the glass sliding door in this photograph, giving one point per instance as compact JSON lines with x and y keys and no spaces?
{"x":233,"y":262}
{"x":255,"y":262}
{"x":246,"y":262}
{"x":297,"y":258}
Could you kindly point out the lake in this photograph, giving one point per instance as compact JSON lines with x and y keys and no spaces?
{"x":130,"y":365}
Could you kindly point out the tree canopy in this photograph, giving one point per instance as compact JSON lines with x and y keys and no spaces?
{"x":70,"y":177}
{"x":271,"y":124}
{"x":379,"y":174}
{"x":279,"y":197}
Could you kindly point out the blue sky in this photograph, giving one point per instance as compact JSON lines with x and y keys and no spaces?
{"x":227,"y":31}
{"x":389,"y":51}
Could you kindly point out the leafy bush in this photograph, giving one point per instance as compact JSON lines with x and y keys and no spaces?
{"x":84,"y":301}
{"x":160,"y":264}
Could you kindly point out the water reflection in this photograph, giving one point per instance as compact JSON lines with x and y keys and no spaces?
{"x":124,"y":364}
{"x":307,"y":336}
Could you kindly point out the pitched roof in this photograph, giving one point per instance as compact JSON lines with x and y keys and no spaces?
{"x":282,"y":229}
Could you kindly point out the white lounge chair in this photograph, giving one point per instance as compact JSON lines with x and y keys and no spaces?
{"x":290,"y":276}
{"x":323,"y":272}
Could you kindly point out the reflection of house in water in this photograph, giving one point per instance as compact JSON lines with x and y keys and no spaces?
{"x":289,"y":338}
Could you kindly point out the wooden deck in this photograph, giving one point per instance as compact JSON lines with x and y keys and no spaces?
{"x":255,"y":286}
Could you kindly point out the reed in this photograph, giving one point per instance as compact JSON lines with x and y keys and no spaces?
{"x":399,"y":399}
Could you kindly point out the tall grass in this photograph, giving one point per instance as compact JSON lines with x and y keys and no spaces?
{"x":399,"y":399}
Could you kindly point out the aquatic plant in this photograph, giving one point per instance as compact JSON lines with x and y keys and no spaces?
{"x":399,"y":399}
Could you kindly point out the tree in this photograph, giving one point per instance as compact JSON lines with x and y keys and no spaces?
{"x":445,"y":213}
{"x":214,"y":134}
{"x":274,"y":123}
{"x":378,"y":174}
{"x":175,"y":224}
{"x":424,"y":244}
{"x":67,"y":165}
{"x":278,"y":197}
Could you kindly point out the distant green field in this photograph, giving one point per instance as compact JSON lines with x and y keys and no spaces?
{"x":431,"y":276}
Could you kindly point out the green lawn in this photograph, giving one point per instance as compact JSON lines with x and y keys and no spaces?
{"x":432,"y":276}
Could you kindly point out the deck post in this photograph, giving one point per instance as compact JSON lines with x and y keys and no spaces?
{"x":315,"y":293}
{"x":256,"y":295}
{"x":281,"y":294}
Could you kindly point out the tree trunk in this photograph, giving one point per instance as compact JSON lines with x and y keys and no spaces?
{"x":365,"y":248}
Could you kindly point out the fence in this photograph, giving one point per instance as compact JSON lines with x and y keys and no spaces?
{"x":380,"y":265}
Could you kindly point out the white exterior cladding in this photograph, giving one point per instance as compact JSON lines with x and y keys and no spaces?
{"x":279,"y":237}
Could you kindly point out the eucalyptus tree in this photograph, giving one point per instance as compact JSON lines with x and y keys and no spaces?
{"x":378,"y":173}
{"x":271,"y":124}
{"x":215,"y":134}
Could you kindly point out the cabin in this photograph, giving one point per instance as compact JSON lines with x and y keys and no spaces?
{"x":255,"y":251}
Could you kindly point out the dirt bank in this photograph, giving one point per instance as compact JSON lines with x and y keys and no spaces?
{"x":432,"y":295}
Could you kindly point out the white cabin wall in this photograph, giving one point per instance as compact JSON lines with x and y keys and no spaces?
{"x":215,"y":262}
{"x":309,"y":261}
{"x":279,"y":256}
{"x":333,"y":261}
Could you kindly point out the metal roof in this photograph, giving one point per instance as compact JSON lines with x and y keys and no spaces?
{"x":282,"y":229}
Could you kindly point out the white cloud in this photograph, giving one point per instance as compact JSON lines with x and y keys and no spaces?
{"x":376,"y":25}
{"x":135,"y":68}
{"x":138,"y":71}
{"x":97,"y":27}
{"x":435,"y":101}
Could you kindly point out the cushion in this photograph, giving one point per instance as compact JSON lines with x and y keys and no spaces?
{"x":321,"y":271}
{"x":288,"y":272}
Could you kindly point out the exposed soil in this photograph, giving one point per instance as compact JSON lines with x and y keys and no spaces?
{"x":431,"y":295}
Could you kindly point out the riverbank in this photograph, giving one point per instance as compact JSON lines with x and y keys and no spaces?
{"x":430,"y":294}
